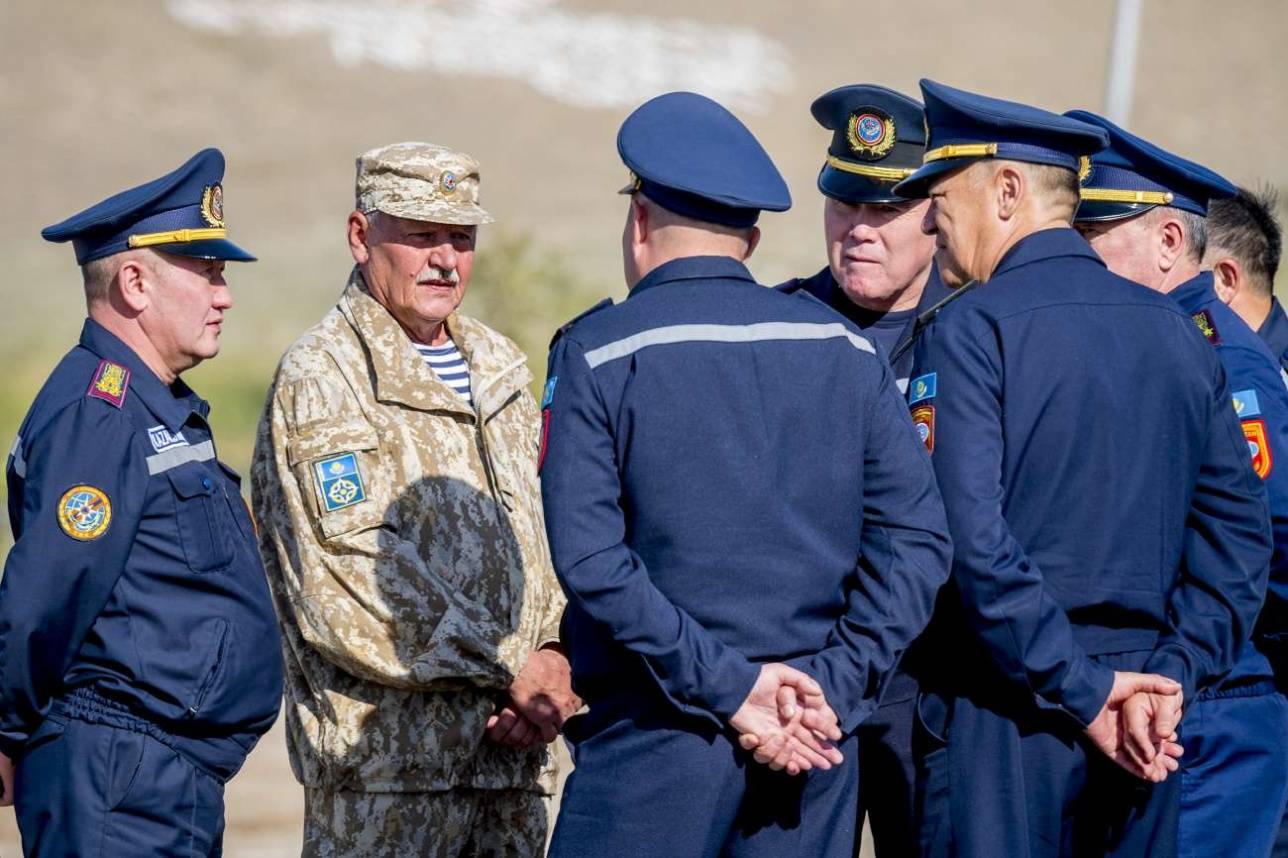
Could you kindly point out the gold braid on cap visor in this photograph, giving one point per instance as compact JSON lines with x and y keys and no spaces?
{"x":176,"y":236}
{"x":1110,"y":195}
{"x":888,"y":174}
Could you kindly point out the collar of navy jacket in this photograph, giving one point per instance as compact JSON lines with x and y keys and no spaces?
{"x":1045,"y":244}
{"x":171,"y":404}
{"x":693,"y":268}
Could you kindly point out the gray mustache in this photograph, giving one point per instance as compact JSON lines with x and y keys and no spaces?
{"x":436,"y":273}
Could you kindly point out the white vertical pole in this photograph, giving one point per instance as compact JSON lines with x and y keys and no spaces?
{"x":1121,"y":81}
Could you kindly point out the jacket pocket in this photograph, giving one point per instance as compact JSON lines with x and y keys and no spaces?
{"x":210,"y":671}
{"x":337,"y":466}
{"x":203,"y":531}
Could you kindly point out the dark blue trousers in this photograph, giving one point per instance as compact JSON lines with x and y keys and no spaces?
{"x":997,"y":775}
{"x":99,"y":789}
{"x":1234,"y":774}
{"x":660,"y":784}
{"x":887,"y":788}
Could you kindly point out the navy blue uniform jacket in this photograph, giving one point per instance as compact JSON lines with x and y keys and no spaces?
{"x":1261,"y":403}
{"x":823,"y":286}
{"x":730,"y":477}
{"x":1097,"y":481}
{"x":166,"y":610}
{"x":1274,"y":332}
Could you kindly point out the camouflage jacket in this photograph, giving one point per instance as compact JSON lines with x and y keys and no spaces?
{"x":405,"y":545}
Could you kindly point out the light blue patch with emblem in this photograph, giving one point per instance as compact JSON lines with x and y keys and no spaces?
{"x":340,"y":482}
{"x":922,"y":387}
{"x":549,"y":395}
{"x":1246,"y":404}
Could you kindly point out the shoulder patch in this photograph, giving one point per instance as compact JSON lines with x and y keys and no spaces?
{"x":339,"y":482}
{"x":1207,"y":326}
{"x":84,"y":512}
{"x":923,"y":387}
{"x":567,"y":326}
{"x":548,"y":395}
{"x":1259,"y":446}
{"x":1246,"y":404}
{"x":923,"y":417}
{"x":111,"y":381}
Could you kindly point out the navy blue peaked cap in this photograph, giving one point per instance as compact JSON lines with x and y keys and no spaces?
{"x":691,"y":156}
{"x":182,"y":212}
{"x":964,"y":127}
{"x":878,"y":139}
{"x":1134,"y":175}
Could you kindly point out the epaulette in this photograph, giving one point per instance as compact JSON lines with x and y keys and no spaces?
{"x":110,"y":383}
{"x":1207,"y":326}
{"x":567,"y":326}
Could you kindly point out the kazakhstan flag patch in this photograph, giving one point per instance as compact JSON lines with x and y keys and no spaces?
{"x":340,"y":482}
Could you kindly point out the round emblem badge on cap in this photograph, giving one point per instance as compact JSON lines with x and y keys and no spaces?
{"x":871,"y":133}
{"x":447,"y":182}
{"x":212,"y":205}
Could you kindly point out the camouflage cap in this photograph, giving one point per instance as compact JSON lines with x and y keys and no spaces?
{"x":421,"y":181}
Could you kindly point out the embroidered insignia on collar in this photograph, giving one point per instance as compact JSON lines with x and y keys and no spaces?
{"x":212,"y":205}
{"x":1259,"y":446}
{"x":1207,"y":326}
{"x":162,"y":439}
{"x":870,"y":133}
{"x":84,"y":513}
{"x":339,"y":482}
{"x":923,"y":417}
{"x":110,"y":383}
{"x":1246,"y":404}
{"x":923,"y":387}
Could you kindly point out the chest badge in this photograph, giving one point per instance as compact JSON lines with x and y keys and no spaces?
{"x":923,"y":418}
{"x":1246,"y":404}
{"x":339,"y":482}
{"x":1259,"y":446}
{"x":923,"y":387}
{"x":84,"y":513}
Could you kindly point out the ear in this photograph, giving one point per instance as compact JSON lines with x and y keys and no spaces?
{"x":1227,"y":278}
{"x":133,"y":285}
{"x":753,"y":241}
{"x":1171,"y":243}
{"x":640,"y":226}
{"x":359,"y":229}
{"x":1010,"y":189}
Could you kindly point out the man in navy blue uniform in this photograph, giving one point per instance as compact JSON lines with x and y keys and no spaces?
{"x":881,"y":276}
{"x":1143,"y":211}
{"x":732,"y":486}
{"x":1244,"y":244}
{"x":880,"y":272}
{"x":139,"y":658}
{"x":1111,"y":540}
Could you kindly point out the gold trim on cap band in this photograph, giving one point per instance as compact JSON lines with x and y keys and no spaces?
{"x":889,"y":174}
{"x":177,"y":236}
{"x":959,"y":150}
{"x":1110,"y":195}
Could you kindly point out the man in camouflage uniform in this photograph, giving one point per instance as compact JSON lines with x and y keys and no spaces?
{"x":400,"y":521}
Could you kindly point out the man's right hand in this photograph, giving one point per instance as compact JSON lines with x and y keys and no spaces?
{"x":771,"y":722}
{"x":542,"y":692}
{"x":1149,"y":753}
{"x":6,"y":781}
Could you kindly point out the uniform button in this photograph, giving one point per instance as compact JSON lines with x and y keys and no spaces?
{"x":205,"y":482}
